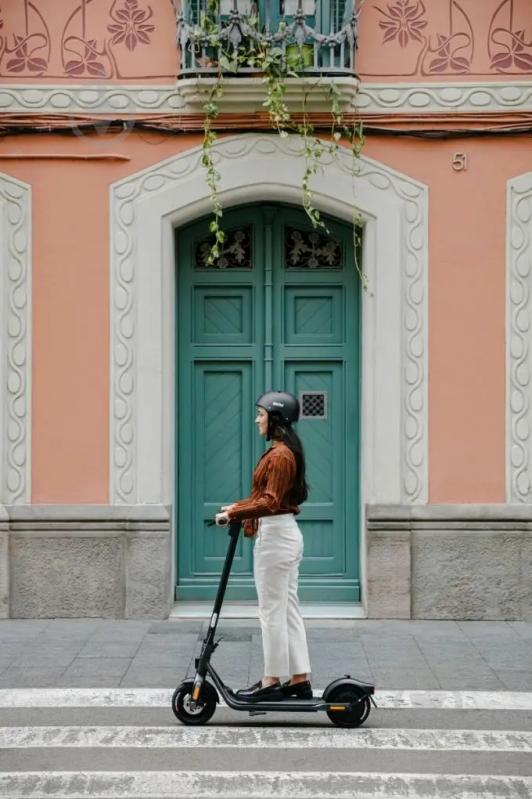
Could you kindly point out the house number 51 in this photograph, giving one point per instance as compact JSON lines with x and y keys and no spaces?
{"x":459,"y":162}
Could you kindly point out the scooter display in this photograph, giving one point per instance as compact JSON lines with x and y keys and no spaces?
{"x":346,"y":701}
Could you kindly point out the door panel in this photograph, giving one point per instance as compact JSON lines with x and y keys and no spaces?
{"x":223,"y":315}
{"x":314,"y":315}
{"x":316,"y":347}
{"x":220,"y":342}
{"x":279,"y":311}
{"x":224,"y":403}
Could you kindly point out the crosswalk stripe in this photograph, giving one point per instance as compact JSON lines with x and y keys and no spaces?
{"x":257,"y":785}
{"x":264,"y":738}
{"x":160,"y":697}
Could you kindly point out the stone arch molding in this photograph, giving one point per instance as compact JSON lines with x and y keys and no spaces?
{"x":15,"y":341}
{"x":518,"y":340}
{"x":145,"y":209}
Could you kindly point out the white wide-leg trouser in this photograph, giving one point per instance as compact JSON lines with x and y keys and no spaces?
{"x":277,"y":554}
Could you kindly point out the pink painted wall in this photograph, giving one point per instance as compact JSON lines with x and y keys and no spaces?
{"x":435,"y":40}
{"x":71,"y":307}
{"x":467,"y":260}
{"x":133,"y":41}
{"x":70,"y":274}
{"x":79,"y":41}
{"x":127,"y":41}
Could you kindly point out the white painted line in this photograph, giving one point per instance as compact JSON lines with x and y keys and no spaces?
{"x":216,"y":737}
{"x":257,"y":785}
{"x":85,"y":697}
{"x":161,"y":697}
{"x":454,"y":700}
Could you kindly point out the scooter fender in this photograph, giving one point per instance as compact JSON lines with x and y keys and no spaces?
{"x":188,"y":685}
{"x":365,"y":687}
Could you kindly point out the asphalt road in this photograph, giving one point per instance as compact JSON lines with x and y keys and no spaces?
{"x":96,"y":743}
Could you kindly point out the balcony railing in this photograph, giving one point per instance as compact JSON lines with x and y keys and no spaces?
{"x":312,"y":36}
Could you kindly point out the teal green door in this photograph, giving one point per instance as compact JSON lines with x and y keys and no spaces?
{"x":280,"y":310}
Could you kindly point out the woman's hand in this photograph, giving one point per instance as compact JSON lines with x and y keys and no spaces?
{"x":228,"y":507}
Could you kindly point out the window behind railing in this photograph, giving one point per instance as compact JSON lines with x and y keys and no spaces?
{"x":314,"y":35}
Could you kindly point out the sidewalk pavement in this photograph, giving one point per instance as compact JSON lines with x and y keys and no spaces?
{"x":423,"y":655}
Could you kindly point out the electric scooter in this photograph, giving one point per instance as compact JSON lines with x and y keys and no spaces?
{"x":346,"y":701}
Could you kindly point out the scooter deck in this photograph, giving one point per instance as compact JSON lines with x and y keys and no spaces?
{"x":286,"y":704}
{"x":303,"y":703}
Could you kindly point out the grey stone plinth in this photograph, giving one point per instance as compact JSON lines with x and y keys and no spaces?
{"x":4,"y":564}
{"x":83,"y":561}
{"x":66,"y":575}
{"x":148,"y":592}
{"x":466,"y":574}
{"x":389,"y":575}
{"x":526,"y":577}
{"x":450,"y":561}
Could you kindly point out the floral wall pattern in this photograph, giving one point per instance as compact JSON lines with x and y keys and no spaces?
{"x":436,"y":38}
{"x":87,"y":39}
{"x":134,"y":40}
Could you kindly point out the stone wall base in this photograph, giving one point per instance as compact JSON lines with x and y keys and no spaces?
{"x":449,"y":562}
{"x":61,"y":561}
{"x":423,"y":562}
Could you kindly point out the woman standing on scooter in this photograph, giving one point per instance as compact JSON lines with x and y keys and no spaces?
{"x":278,"y":489}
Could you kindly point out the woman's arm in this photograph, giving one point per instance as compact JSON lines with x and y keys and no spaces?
{"x":280,"y":476}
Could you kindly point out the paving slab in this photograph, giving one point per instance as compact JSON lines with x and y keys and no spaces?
{"x":515,"y":679}
{"x":395,"y":654}
{"x":85,"y":667}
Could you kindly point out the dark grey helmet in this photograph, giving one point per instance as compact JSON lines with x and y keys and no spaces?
{"x":282,"y":403}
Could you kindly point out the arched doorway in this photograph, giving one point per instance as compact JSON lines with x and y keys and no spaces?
{"x":280,"y":309}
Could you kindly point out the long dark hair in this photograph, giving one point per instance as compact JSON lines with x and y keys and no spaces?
{"x":281,"y":431}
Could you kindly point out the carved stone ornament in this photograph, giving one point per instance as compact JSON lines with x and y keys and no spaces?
{"x":145,"y":208}
{"x":15,"y":342}
{"x":372,"y":98}
{"x":519,"y":347}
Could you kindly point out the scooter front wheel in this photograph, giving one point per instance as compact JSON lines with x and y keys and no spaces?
{"x":360,"y":705}
{"x":205,"y":706}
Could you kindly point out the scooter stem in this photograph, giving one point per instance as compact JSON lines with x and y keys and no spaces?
{"x":208,"y":643}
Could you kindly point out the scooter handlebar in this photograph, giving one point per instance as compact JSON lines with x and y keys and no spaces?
{"x":233,"y":527}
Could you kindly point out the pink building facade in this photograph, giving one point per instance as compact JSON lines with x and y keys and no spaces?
{"x":100,"y":165}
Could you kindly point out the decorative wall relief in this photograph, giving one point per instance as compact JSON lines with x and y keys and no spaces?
{"x":518,"y":350}
{"x":29,"y":49}
{"x":129,"y":28}
{"x":427,"y":38}
{"x":509,"y":45}
{"x":141,"y":201}
{"x":403,"y":21}
{"x":439,"y":51}
{"x":85,"y":39}
{"x":15,"y":342}
{"x":131,"y":24}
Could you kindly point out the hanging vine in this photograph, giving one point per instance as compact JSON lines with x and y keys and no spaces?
{"x":238,"y":45}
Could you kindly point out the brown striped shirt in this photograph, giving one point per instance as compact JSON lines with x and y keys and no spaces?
{"x":273,"y":480}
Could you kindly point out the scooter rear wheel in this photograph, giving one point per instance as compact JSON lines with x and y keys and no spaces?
{"x":205,"y":706}
{"x":360,"y":708}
